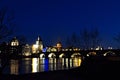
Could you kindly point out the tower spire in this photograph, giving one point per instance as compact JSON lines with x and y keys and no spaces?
{"x":38,"y":38}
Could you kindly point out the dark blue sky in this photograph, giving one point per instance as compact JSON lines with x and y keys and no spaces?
{"x":56,"y":19}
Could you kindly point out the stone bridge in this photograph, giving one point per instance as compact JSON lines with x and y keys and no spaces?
{"x":80,"y":53}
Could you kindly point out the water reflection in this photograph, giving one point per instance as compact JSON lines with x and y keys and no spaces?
{"x":32,"y":65}
{"x":42,"y":64}
{"x":14,"y":67}
{"x":35,"y":64}
{"x":77,"y":62}
{"x":25,"y":65}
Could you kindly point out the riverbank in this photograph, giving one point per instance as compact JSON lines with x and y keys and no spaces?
{"x":93,"y":68}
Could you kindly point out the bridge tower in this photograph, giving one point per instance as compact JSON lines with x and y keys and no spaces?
{"x":38,"y":46}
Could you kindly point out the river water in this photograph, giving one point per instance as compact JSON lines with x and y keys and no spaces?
{"x":32,"y":65}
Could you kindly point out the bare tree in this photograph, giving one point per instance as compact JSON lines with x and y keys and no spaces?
{"x":68,"y":42}
{"x":117,"y":39}
{"x":95,"y":38}
{"x":6,"y":23}
{"x":73,"y":41}
{"x":6,"y":29}
{"x":85,"y":38}
{"x":89,"y":38}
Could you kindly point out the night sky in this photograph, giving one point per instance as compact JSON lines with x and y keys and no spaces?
{"x":54,"y":20}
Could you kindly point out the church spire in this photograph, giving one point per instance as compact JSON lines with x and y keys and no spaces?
{"x":39,"y":38}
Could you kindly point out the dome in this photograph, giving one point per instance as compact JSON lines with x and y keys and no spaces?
{"x":14,"y":42}
{"x":59,"y":45}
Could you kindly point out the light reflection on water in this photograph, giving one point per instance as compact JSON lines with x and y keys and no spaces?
{"x":32,"y":65}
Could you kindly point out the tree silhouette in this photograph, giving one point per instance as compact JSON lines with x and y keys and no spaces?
{"x":75,"y":40}
{"x":89,"y":38}
{"x":85,"y":38}
{"x":95,"y":39}
{"x":6,"y":29}
{"x":117,"y":39}
{"x":68,"y":42}
{"x":6,"y":23}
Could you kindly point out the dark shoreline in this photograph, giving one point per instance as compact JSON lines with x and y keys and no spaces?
{"x":93,"y":68}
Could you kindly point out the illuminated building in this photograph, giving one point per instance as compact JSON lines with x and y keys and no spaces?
{"x":14,"y":42}
{"x":99,"y":48}
{"x":56,"y":48}
{"x":26,"y":50}
{"x":51,"y":49}
{"x":38,"y":46}
{"x":110,"y":47}
{"x":14,"y":46}
{"x":59,"y":46}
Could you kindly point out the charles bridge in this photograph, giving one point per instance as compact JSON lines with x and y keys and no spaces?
{"x":65,"y":54}
{"x":79,"y":53}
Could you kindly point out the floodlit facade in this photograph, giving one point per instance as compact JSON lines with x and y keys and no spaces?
{"x":26,"y":50}
{"x":14,"y":46}
{"x":99,"y":48}
{"x":51,"y":49}
{"x":56,"y":48}
{"x":14,"y":42}
{"x":38,"y":46}
{"x":59,"y":46}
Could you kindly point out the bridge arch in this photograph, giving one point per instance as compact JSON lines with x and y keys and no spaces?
{"x":42,"y":55}
{"x":109,"y":53}
{"x":91,"y":54}
{"x":51,"y":55}
{"x":75,"y":55}
{"x":62,"y":55}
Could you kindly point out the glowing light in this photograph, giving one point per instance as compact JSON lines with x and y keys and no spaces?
{"x":35,"y":46}
{"x":71,"y":63}
{"x":87,"y":54}
{"x":27,"y":53}
{"x":98,"y":48}
{"x":34,"y":65}
{"x":67,"y":62}
{"x":59,"y":45}
{"x":52,"y":55}
{"x":109,"y":53}
{"x":46,"y":64}
{"x":14,"y":42}
{"x":70,"y":49}
{"x":63,"y":62}
{"x":109,"y":47}
{"x":14,"y":67}
{"x":75,"y":54}
{"x":76,"y":49}
{"x":42,"y":55}
{"x":92,"y":53}
{"x":61,"y":55}
{"x":77,"y":62}
{"x":66,"y":49}
{"x":44,"y":50}
{"x":63,"y":49}
{"x":54,"y":49}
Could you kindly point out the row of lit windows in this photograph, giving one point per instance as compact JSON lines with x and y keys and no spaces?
{"x":14,"y":43}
